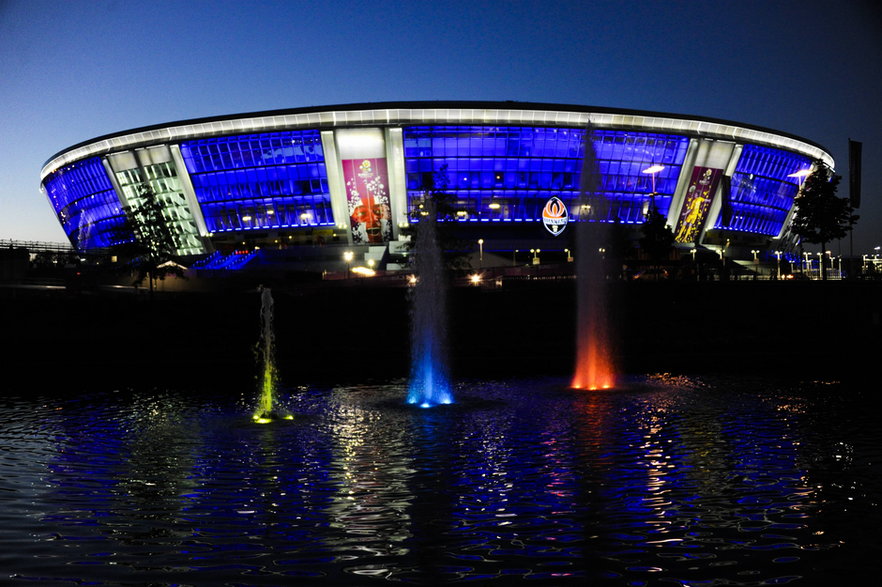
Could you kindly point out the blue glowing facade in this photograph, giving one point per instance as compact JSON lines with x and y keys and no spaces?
{"x":762,"y":194}
{"x":355,"y":174}
{"x":87,"y":205}
{"x":507,"y":174}
{"x":260,"y":181}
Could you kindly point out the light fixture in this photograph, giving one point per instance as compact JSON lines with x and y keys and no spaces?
{"x":654,"y":169}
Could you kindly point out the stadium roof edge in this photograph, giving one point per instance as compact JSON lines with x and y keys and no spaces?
{"x":431,"y":104}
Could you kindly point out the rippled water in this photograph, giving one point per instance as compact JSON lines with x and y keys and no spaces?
{"x":671,"y":481}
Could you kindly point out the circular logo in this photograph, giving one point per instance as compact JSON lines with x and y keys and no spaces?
{"x":555,"y":216}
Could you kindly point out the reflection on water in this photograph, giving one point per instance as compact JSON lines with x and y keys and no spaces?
{"x":668,"y":481}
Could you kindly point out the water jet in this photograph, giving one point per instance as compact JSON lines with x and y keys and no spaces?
{"x":594,"y":369}
{"x":267,"y":410}
{"x":429,"y":385}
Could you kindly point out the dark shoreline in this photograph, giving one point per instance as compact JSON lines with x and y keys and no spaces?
{"x":359,"y":331}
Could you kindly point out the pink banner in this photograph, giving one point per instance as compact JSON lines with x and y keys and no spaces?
{"x":367,"y":194}
{"x":697,"y":203}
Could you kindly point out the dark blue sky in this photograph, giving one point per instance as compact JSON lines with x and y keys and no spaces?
{"x":74,"y":70}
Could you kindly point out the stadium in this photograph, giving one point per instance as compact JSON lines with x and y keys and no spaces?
{"x":305,"y":186}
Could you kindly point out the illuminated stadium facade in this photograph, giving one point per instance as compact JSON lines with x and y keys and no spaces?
{"x":353,"y":176}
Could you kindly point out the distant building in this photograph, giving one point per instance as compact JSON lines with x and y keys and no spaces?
{"x":354,"y":175}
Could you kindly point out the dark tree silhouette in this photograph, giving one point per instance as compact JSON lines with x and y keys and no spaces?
{"x":152,"y":252}
{"x":821,"y":216}
{"x":658,"y":238}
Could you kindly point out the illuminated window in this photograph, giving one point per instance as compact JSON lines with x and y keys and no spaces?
{"x":508,"y":173}
{"x":163,"y":180}
{"x":260,"y":181}
{"x":87,"y":205}
{"x":761,"y":193}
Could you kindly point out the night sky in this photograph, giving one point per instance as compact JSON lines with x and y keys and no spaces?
{"x":73,"y":70}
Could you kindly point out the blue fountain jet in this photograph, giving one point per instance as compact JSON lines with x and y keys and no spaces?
{"x":429,"y":385}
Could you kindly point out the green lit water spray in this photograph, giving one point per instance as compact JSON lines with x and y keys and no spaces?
{"x":266,"y":407}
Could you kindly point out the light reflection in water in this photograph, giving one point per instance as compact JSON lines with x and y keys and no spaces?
{"x":368,"y":513}
{"x":678,"y":480}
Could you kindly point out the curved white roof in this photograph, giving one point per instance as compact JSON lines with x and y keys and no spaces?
{"x":502,"y":114}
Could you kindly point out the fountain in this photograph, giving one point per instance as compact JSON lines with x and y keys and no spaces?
{"x":267,"y":410}
{"x":429,"y":384}
{"x":594,"y":367}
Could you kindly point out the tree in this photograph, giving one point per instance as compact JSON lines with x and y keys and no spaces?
{"x":658,"y":238}
{"x":821,"y":216}
{"x":152,"y":252}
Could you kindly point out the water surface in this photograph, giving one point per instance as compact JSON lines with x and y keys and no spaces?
{"x":670,"y":481}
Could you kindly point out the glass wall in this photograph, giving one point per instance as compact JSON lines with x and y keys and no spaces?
{"x":762,"y":193}
{"x":162,"y":178}
{"x":506,"y":174}
{"x":260,"y":181}
{"x":86,"y":205}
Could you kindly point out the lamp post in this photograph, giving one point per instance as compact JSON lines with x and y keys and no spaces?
{"x":800,"y":177}
{"x":694,"y":263}
{"x":569,"y":255}
{"x":778,"y":254}
{"x":481,"y":252}
{"x":348,"y":256}
{"x":755,"y":262}
{"x":514,"y":257}
{"x":535,"y":255}
{"x":652,"y":171}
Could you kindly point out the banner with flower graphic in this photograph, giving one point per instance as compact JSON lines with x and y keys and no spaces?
{"x":367,"y":194}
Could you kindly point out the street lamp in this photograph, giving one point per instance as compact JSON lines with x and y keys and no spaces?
{"x":535,"y":256}
{"x":481,"y":252}
{"x":348,"y":256}
{"x":514,"y":257}
{"x":569,"y":255}
{"x":653,"y":170}
{"x":778,"y":254}
{"x":801,"y":175}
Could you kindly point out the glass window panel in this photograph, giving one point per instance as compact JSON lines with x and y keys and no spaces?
{"x":87,"y":205}
{"x":286,"y":166}
{"x":762,"y":193}
{"x":537,"y":162}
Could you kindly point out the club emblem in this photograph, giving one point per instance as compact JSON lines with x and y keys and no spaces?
{"x":555,"y":216}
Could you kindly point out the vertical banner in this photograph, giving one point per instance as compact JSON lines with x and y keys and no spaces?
{"x":854,"y":172}
{"x":367,"y":194}
{"x":697,"y":203}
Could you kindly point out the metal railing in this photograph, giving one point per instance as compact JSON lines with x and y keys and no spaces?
{"x":37,"y":246}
